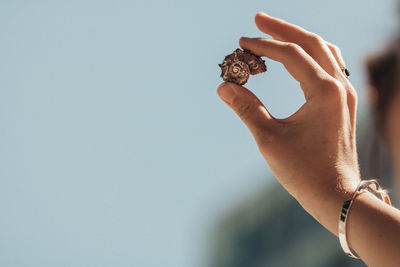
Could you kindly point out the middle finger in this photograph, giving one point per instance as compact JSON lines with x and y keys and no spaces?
{"x":313,"y":44}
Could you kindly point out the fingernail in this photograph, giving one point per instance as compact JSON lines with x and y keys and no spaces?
{"x":226,"y":93}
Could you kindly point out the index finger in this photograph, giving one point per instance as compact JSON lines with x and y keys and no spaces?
{"x":299,"y":64}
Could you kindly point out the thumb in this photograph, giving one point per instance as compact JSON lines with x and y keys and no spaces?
{"x":247,"y":106}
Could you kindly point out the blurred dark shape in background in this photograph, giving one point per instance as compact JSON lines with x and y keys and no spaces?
{"x":272,"y":229}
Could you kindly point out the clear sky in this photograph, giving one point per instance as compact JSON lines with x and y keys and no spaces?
{"x":114,"y":147}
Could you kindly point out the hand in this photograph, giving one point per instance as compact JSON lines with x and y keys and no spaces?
{"x":313,"y":152}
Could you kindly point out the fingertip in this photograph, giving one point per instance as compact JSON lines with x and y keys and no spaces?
{"x":236,"y":87}
{"x":228,"y":84}
{"x":261,"y":14}
{"x":265,"y":22}
{"x":242,"y":40}
{"x":226,"y":92}
{"x":247,"y":43}
{"x":221,"y":86}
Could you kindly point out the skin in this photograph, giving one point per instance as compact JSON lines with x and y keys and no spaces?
{"x":312,"y":153}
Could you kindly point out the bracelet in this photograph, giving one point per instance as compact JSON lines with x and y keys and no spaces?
{"x":366,"y":185}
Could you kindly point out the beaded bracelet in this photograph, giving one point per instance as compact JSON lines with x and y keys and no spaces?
{"x":366,"y":185}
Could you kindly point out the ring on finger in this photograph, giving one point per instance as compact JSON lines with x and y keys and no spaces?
{"x":345,"y":72}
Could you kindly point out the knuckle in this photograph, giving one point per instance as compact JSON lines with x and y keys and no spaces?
{"x":332,"y":84}
{"x":352,"y":95}
{"x":316,"y":39}
{"x":335,"y":48}
{"x":293,"y":48}
{"x":333,"y":89}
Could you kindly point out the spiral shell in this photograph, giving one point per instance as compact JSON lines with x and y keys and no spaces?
{"x":237,"y":72}
{"x":238,"y":66}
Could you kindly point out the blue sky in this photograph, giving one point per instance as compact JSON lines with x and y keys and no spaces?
{"x":115,"y":149}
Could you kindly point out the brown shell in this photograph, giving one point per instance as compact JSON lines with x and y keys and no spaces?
{"x":238,"y":66}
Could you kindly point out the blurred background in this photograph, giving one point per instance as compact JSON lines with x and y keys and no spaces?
{"x":116,"y":151}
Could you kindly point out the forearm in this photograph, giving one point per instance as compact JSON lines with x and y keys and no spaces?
{"x":373,"y":227}
{"x":373,"y":230}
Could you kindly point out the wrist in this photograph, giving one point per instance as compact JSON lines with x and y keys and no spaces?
{"x":325,"y":202}
{"x":366,"y":187}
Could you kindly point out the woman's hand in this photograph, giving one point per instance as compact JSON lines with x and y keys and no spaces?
{"x":313,"y":152}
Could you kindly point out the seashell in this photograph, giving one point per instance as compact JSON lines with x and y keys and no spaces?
{"x":238,"y":66}
{"x":236,"y":72}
